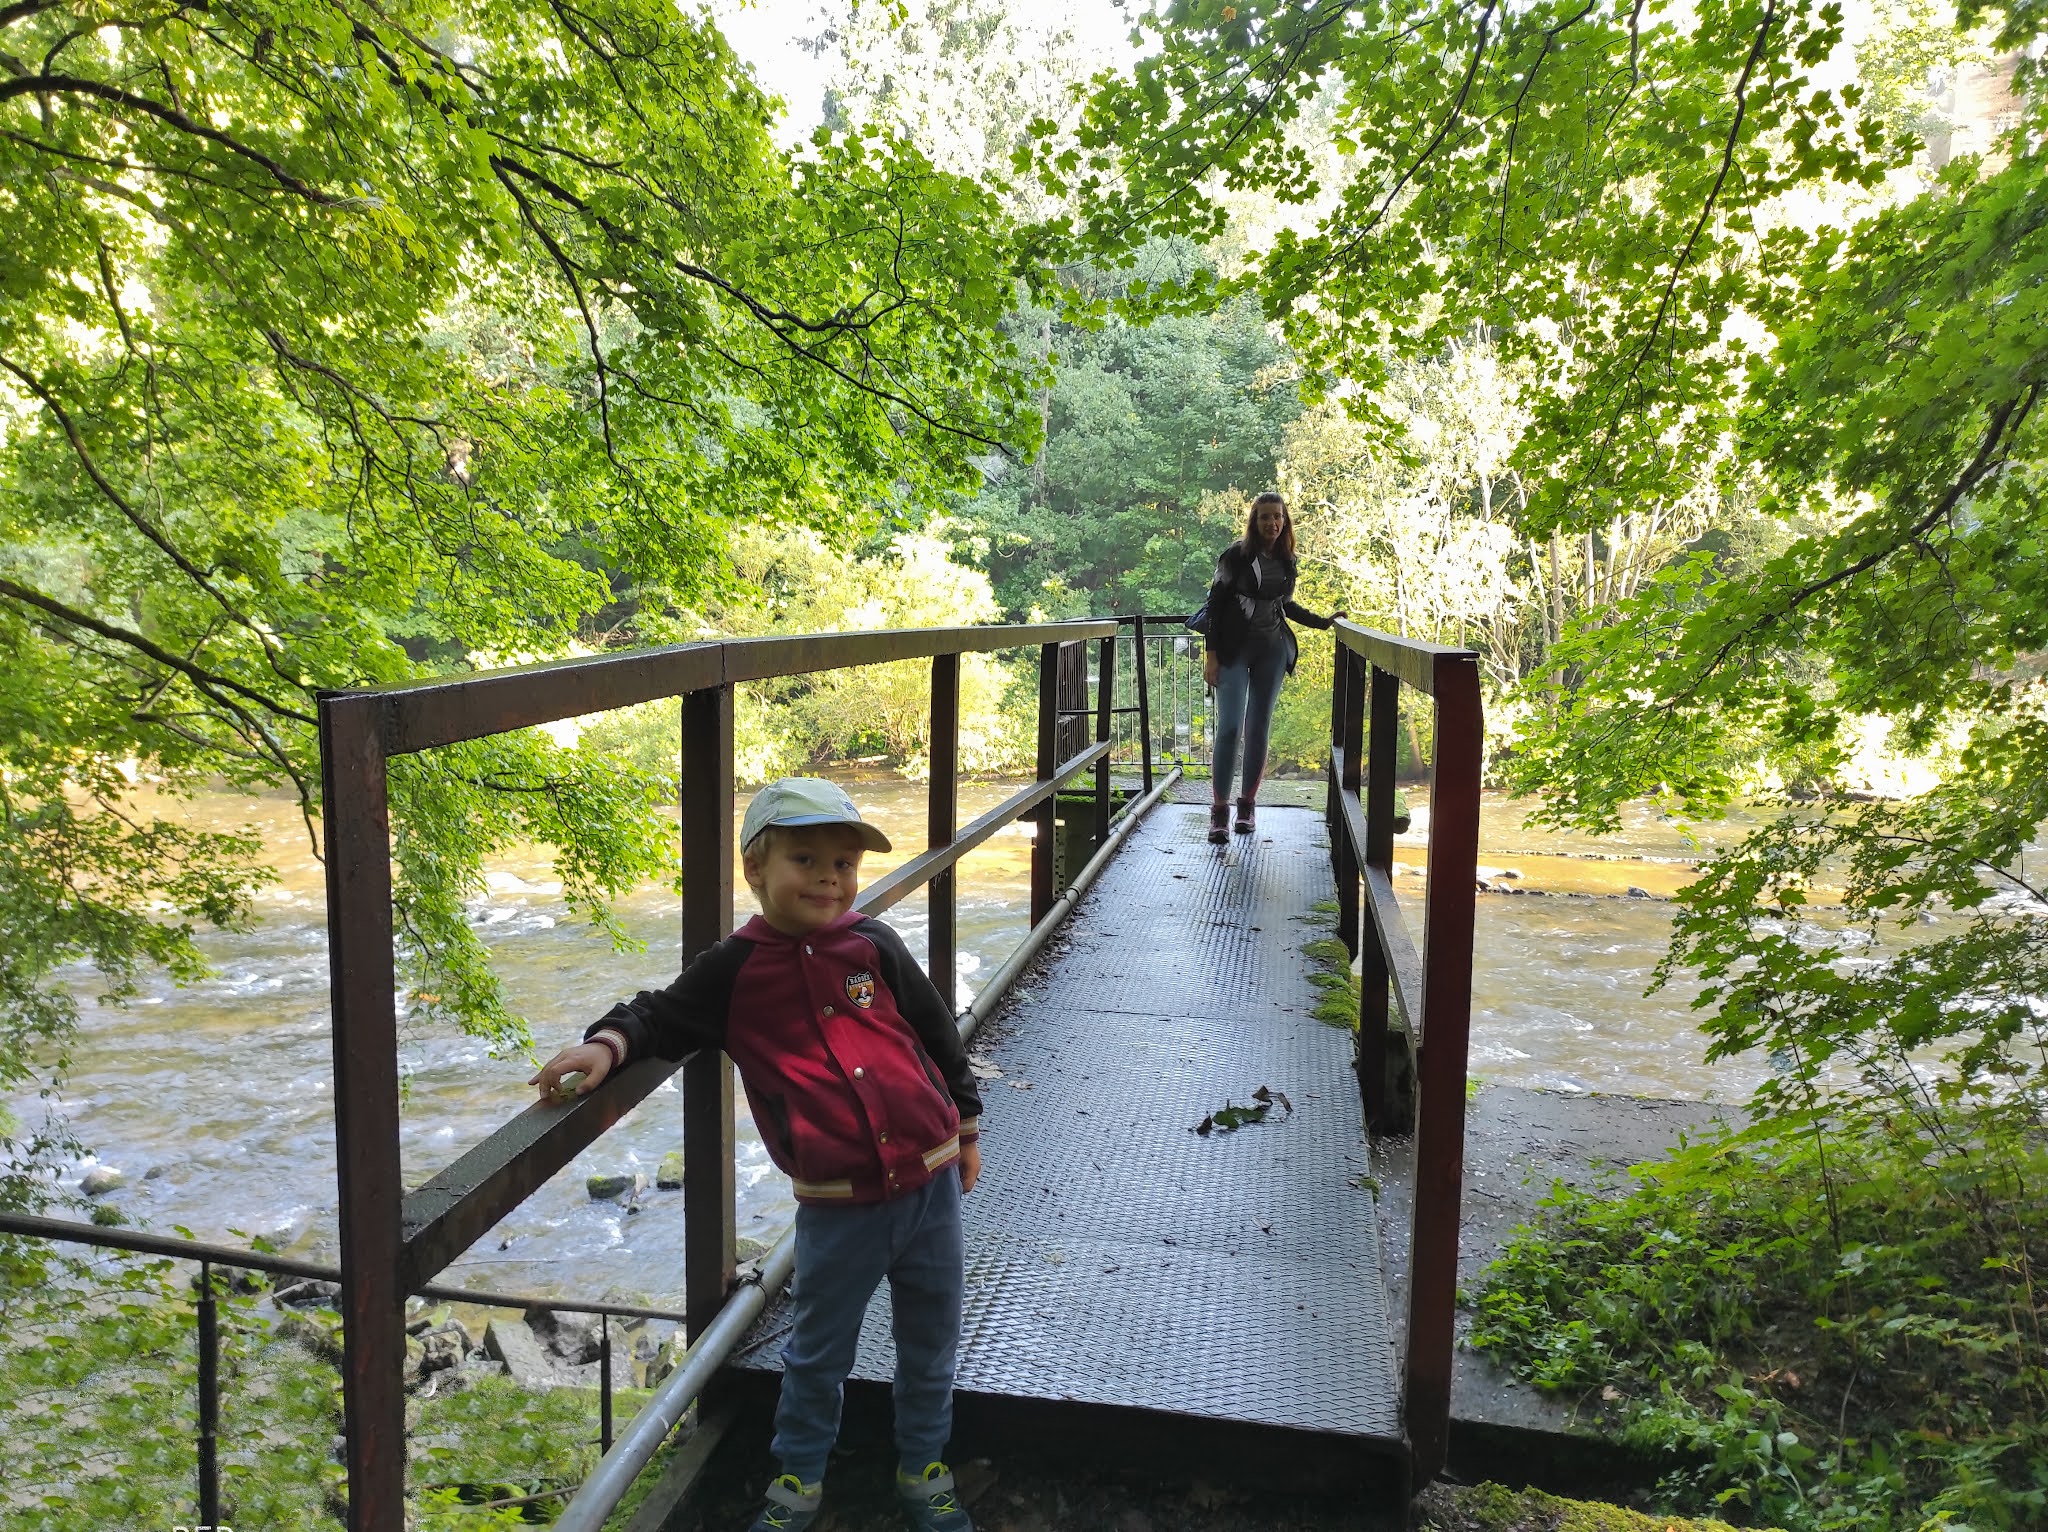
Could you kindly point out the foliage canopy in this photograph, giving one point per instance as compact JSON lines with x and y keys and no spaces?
{"x":340,"y":345}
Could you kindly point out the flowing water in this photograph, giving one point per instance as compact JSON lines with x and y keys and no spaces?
{"x":220,"y":1093}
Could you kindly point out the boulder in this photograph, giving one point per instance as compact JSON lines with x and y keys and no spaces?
{"x":604,"y":1188}
{"x":1637,"y":893}
{"x":744,"y":1249}
{"x":670,"y":1177}
{"x":441,"y":1350}
{"x":525,"y":1359}
{"x":315,"y":1337}
{"x":102,"y":1179}
{"x":307,"y":1294}
{"x":575,"y":1338}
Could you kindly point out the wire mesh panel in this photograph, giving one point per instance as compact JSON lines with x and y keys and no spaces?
{"x":1176,"y":700}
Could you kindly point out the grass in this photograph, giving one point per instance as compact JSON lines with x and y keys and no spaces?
{"x":99,"y":1409}
{"x":1847,"y":1339}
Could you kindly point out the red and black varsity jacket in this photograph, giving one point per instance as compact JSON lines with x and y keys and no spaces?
{"x":851,"y":1060}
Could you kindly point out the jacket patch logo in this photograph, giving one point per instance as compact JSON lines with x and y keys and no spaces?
{"x":860,"y":989}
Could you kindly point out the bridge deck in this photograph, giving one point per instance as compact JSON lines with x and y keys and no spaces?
{"x":1115,"y":1257}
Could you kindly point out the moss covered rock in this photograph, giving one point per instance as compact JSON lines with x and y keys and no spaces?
{"x":1495,"y":1508}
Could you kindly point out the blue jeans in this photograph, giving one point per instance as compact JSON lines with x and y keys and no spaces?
{"x":1245,"y":696}
{"x":842,"y":1254}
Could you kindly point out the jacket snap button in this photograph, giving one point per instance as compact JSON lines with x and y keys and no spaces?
{"x":807,"y":952}
{"x":885,"y":1138}
{"x":860,"y":1074}
{"x":828,"y":1010}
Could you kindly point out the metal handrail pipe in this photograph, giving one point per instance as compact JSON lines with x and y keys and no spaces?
{"x":616,"y":1471}
{"x":64,"y":1230}
{"x":998,"y":985}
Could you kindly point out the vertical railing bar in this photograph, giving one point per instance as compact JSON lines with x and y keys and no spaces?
{"x":1383,"y":757}
{"x":1144,"y":696}
{"x":356,"y":809}
{"x":604,"y":1382}
{"x":1448,"y":914}
{"x":942,"y":823}
{"x":1347,"y":708}
{"x":1105,"y":685}
{"x":709,"y":1211}
{"x":1382,"y":704}
{"x":1043,"y":868}
{"x":209,"y":1399}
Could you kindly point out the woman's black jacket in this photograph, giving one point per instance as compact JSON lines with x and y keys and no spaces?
{"x":1230,"y":624}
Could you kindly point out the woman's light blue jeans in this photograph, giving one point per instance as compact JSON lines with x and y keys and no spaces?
{"x":842,"y":1255}
{"x":1246,"y":693}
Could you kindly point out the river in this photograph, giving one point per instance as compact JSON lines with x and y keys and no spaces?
{"x":215,"y":1099}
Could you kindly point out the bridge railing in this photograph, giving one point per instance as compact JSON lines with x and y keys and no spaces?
{"x":1163,"y":711}
{"x":394,"y":1241}
{"x":1412,"y":1074}
{"x":209,"y":1429}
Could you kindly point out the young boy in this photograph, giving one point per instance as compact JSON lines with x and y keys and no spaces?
{"x":861,"y":1089}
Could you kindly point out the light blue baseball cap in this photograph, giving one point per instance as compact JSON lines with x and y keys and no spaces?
{"x":797,"y":801}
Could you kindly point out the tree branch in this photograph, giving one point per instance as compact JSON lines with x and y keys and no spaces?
{"x":2006,"y":419}
{"x":100,"y":90}
{"x":133,"y":640}
{"x":1450,"y":118}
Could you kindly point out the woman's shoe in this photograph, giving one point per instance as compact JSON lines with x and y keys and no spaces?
{"x":1219,"y":823}
{"x":1245,"y":821}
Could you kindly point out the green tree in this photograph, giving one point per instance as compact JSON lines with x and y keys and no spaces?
{"x":337,"y":345}
{"x":1155,"y":436}
{"x":1718,"y":264}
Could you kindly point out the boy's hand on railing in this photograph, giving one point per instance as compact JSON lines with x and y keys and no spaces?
{"x":592,"y":1060}
{"x":970,"y":1166}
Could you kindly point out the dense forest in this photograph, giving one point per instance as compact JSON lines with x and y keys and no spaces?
{"x":1684,"y":361}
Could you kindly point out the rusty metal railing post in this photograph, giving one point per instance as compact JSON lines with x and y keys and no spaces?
{"x":709,"y":1213}
{"x":1382,"y":703}
{"x":604,"y":1382}
{"x":1446,"y":1035}
{"x":356,"y":812}
{"x":942,"y":822}
{"x":1347,"y":692}
{"x":1105,"y":683}
{"x":209,"y":1399}
{"x":1044,"y":853}
{"x":1144,"y":694}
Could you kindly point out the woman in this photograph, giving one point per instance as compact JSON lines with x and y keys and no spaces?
{"x":1248,"y":649}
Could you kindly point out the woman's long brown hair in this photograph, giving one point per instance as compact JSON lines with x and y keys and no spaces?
{"x":1284,"y":543}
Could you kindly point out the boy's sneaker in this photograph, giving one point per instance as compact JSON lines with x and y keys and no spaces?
{"x":931,"y":1500}
{"x":791,"y":1506}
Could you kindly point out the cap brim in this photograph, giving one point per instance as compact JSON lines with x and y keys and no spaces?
{"x":870,"y":837}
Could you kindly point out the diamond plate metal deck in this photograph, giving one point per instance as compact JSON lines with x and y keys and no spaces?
{"x":1113,"y":1256}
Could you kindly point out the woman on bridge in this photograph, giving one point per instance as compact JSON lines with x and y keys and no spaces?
{"x":1248,"y":650}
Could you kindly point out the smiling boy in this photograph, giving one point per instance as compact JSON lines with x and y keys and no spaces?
{"x":861,"y":1090}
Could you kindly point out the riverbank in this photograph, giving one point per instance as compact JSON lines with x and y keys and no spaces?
{"x":1519,"y":1145}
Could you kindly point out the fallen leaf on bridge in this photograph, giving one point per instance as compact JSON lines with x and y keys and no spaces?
{"x":1230,"y":1117}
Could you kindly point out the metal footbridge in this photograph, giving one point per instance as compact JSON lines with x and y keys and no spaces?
{"x":1139,"y":1269}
